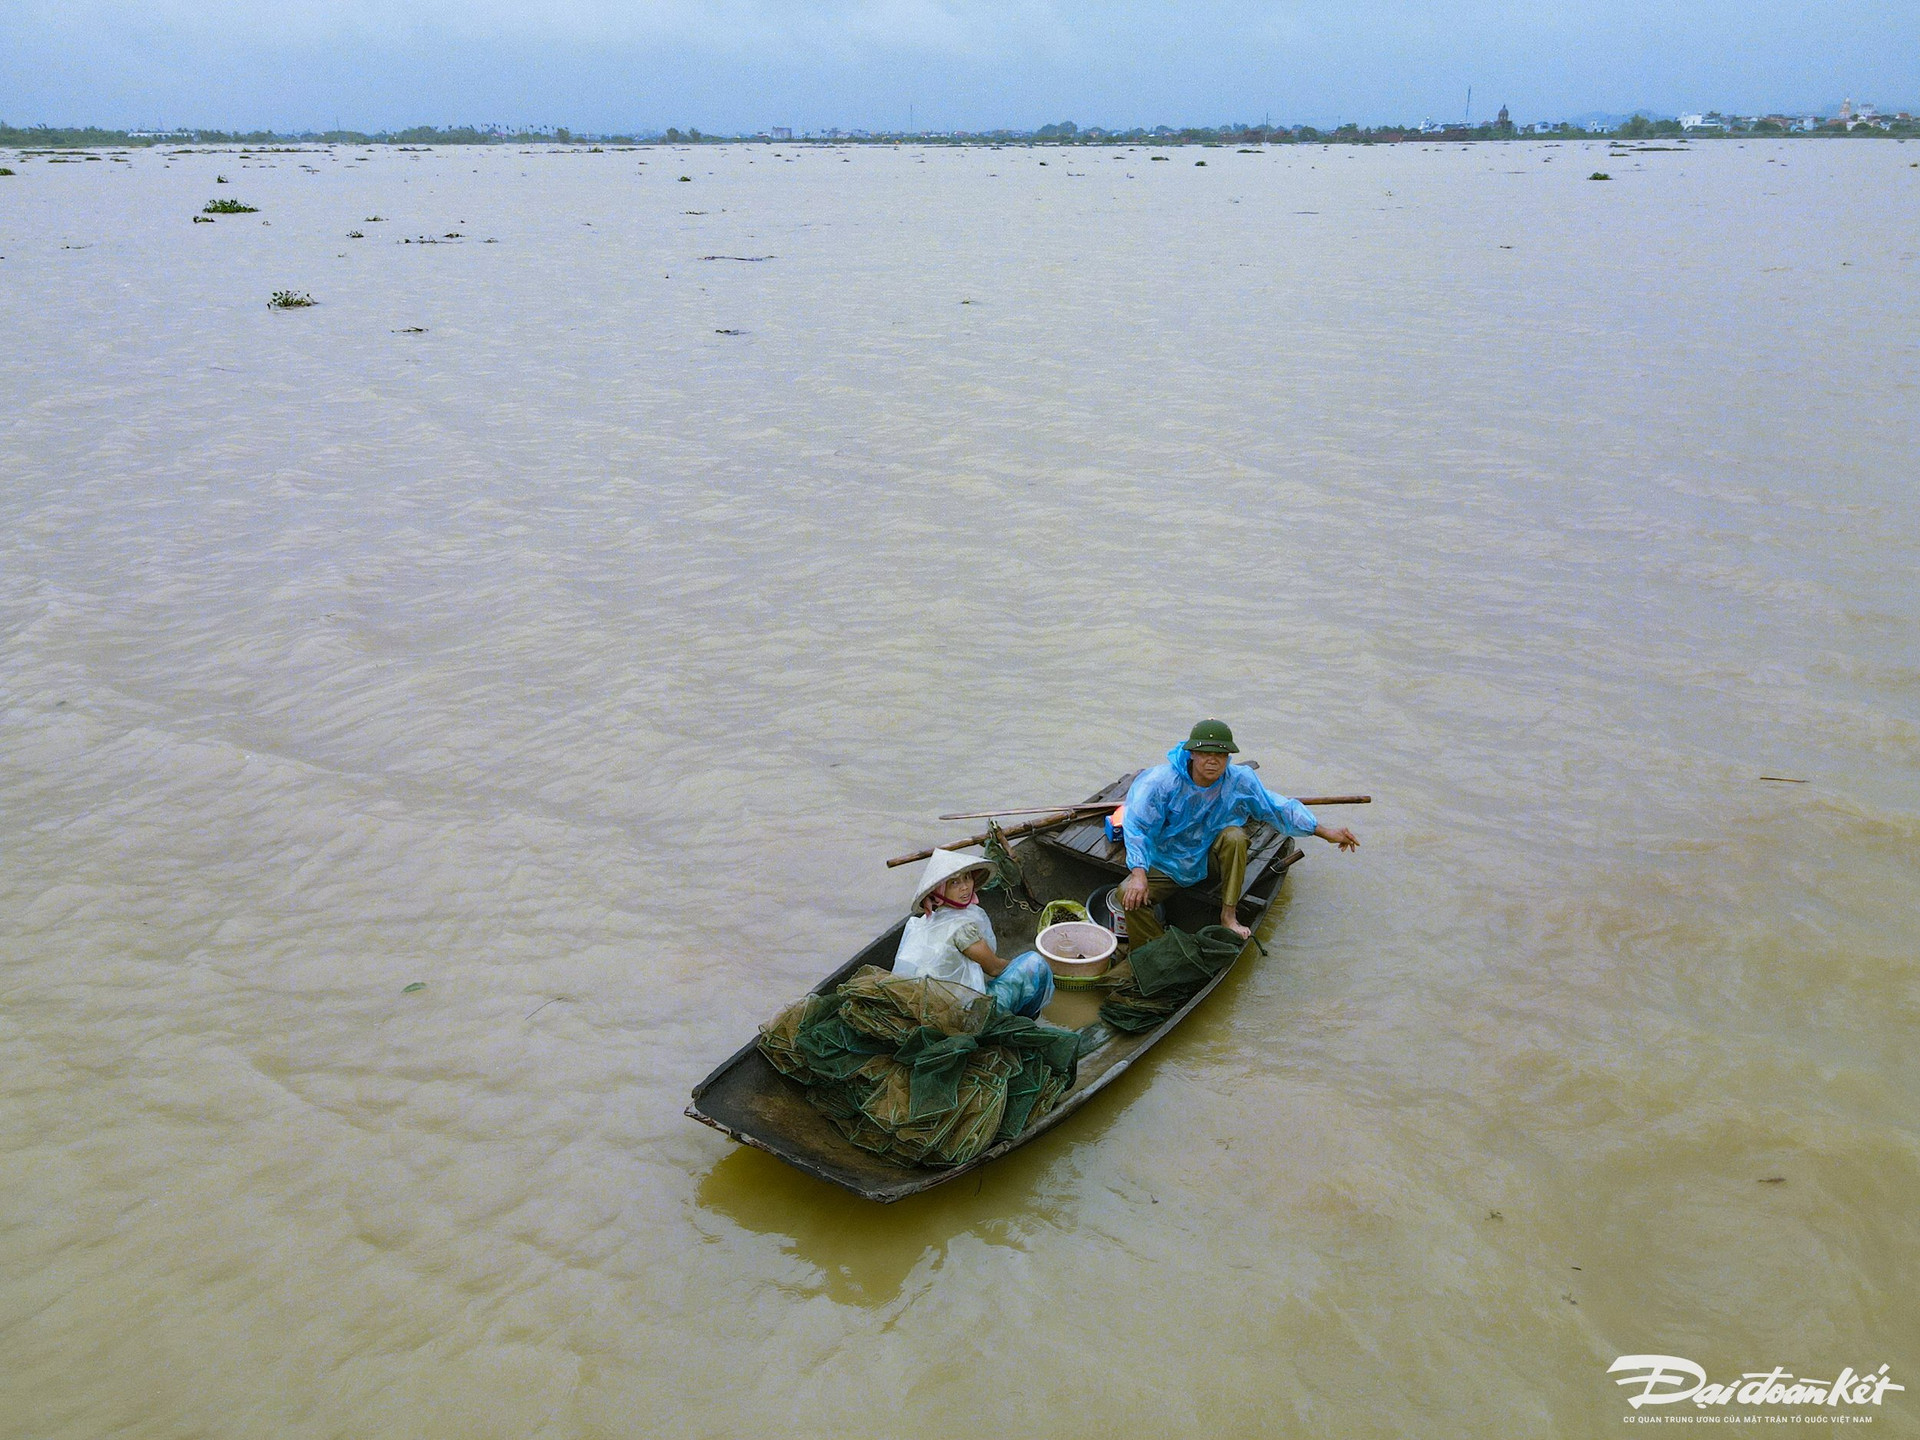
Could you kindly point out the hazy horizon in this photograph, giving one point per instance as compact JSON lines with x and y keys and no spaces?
{"x":745,"y":65}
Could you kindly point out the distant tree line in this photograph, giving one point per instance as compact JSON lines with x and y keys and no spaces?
{"x":1063,"y":132}
{"x":53,"y":137}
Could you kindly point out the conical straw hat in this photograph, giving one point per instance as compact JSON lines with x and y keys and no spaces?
{"x":942,"y":866}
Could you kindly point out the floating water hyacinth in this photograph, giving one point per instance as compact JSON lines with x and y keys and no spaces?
{"x":230,"y":207}
{"x":290,"y":300}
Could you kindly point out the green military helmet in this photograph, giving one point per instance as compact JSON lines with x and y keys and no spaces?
{"x":1211,"y":737}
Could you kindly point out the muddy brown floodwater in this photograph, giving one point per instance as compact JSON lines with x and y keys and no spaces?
{"x":568,"y":618}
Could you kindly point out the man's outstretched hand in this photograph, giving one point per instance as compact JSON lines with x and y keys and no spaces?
{"x":1133,"y":890}
{"x":1339,"y":835}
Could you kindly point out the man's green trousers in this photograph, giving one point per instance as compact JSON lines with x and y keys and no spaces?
{"x":1226,"y":862}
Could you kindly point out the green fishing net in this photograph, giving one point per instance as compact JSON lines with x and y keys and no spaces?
{"x":922,"y":1071}
{"x":887,"y":1007}
{"x":951,"y":1132}
{"x":1165,"y":973}
{"x":780,"y":1036}
{"x":1007,"y":874}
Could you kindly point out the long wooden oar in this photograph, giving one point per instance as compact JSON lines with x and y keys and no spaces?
{"x":1078,"y":812}
{"x":1308,"y":800}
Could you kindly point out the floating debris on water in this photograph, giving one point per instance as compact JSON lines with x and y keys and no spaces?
{"x":412,"y":330}
{"x":743,"y":259}
{"x":729,"y":332}
{"x":291,"y":300}
{"x":415,"y":988}
{"x":229,"y":207}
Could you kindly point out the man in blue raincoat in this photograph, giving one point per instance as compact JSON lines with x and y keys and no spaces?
{"x":1183,"y":822}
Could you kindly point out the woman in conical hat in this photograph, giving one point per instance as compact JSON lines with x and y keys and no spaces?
{"x":950,"y":938}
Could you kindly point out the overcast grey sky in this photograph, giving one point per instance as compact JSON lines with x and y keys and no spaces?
{"x":731,"y":65}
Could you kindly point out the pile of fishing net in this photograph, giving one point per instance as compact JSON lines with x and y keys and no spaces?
{"x":1165,"y":973}
{"x":923,"y":1071}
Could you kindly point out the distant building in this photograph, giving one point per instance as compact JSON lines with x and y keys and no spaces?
{"x":783,"y":132}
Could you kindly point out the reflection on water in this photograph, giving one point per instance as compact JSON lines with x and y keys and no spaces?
{"x":863,"y":1254}
{"x":506,"y":623}
{"x":860,"y":1254}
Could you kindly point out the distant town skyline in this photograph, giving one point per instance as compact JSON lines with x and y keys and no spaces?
{"x":741,"y":66}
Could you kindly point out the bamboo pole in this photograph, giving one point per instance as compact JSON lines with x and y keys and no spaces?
{"x":1009,"y":831}
{"x":1307,"y":800}
{"x":1072,"y":813}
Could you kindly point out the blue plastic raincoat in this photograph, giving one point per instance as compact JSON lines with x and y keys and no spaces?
{"x":1172,"y":823}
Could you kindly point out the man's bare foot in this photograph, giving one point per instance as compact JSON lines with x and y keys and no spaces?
{"x":1231,"y":920}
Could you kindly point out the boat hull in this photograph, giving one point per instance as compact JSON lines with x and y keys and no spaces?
{"x":746,"y":1098}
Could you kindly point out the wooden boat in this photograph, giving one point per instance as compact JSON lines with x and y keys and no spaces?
{"x":754,"y":1103}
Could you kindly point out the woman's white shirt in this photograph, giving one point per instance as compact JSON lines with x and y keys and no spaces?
{"x":933,"y":944}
